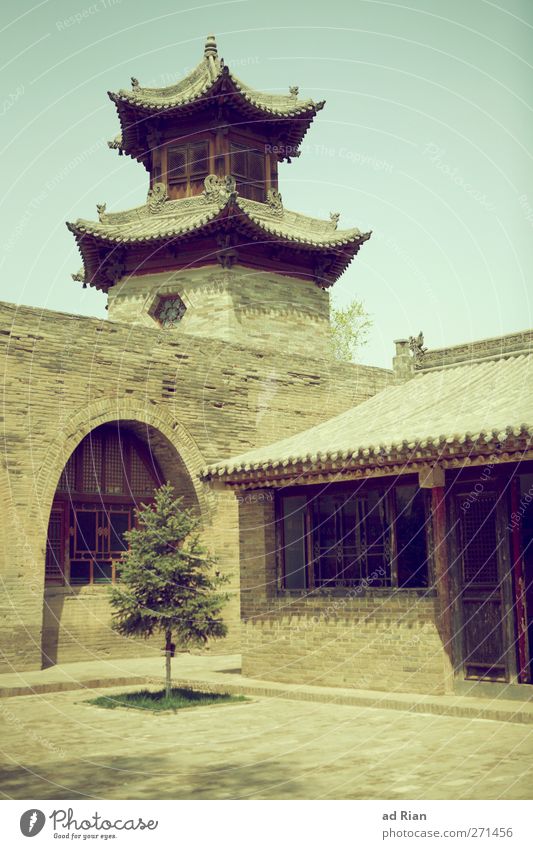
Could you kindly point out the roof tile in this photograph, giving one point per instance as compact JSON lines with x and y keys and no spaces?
{"x":454,"y":406}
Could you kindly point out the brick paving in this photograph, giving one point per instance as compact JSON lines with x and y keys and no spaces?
{"x":56,"y":746}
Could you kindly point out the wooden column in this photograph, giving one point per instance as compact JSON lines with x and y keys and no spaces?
{"x":433,"y":479}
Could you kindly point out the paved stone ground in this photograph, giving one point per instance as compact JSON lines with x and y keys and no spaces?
{"x":56,"y":746}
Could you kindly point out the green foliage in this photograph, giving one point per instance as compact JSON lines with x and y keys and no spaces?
{"x":158,"y":701}
{"x":168,"y":583}
{"x":350,"y":327}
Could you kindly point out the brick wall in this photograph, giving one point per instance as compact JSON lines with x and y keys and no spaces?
{"x":373,"y":640}
{"x":201,"y":399}
{"x":254,"y":308}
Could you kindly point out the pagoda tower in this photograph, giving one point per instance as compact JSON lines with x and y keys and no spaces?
{"x":213,"y":252}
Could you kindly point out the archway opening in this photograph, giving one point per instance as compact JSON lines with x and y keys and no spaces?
{"x":114,"y":469}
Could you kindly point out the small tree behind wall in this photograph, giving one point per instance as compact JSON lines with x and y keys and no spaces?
{"x":350,"y":326}
{"x":168,"y":584}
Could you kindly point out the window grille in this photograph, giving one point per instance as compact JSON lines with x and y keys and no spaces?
{"x":248,"y":168}
{"x":92,"y":464}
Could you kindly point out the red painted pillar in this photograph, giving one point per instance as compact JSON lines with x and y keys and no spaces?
{"x":443,"y":583}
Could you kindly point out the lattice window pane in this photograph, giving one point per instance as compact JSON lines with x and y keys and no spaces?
{"x":256,"y":166}
{"x":239,"y":161}
{"x":119,"y":523}
{"x":86,"y":533}
{"x":177,"y":164}
{"x":92,"y":464}
{"x":294,"y":552}
{"x":141,"y":482}
{"x":114,"y":465}
{"x":199,"y":159}
{"x":411,"y":545}
{"x":54,"y":547}
{"x":480,"y":552}
{"x":351,"y":539}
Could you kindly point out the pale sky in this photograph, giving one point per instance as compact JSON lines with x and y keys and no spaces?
{"x":425,"y":139}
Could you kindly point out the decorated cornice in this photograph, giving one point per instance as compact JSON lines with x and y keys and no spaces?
{"x":219,"y":209}
{"x":376,"y":463}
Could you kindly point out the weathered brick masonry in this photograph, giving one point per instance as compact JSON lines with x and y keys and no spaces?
{"x":195,"y":398}
{"x":369,"y":639}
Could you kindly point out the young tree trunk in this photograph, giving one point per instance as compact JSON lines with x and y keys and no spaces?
{"x":168,"y":656}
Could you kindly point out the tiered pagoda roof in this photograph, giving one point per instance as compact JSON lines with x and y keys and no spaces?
{"x":212,"y":145}
{"x":210,"y":84}
{"x":262,"y":227}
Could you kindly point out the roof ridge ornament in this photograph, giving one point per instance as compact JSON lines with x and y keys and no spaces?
{"x":219,"y":188}
{"x":101,"y":208}
{"x":416,"y":346}
{"x":116,"y":144}
{"x":275,"y":201}
{"x":293,"y":91}
{"x":79,"y":277}
{"x":210,"y":48}
{"x":134,"y":83}
{"x":157,"y":197}
{"x":334,"y":218}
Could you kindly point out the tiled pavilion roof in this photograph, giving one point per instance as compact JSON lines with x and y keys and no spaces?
{"x":199,"y":89}
{"x":471,"y":410}
{"x":163,"y":220}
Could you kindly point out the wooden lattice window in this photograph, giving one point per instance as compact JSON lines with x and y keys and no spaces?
{"x":187,"y":162}
{"x":114,"y":465}
{"x":480,"y":549}
{"x":98,"y":542}
{"x":248,"y":168}
{"x":92,"y":464}
{"x":411,"y":519}
{"x":98,"y":490}
{"x":55,"y":547}
{"x":141,"y":481}
{"x":351,"y":539}
{"x":371,"y":535}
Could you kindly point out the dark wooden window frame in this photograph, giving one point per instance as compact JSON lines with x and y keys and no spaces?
{"x":311,"y":492}
{"x":248,"y":186}
{"x":102,"y":551}
{"x":190,"y":174}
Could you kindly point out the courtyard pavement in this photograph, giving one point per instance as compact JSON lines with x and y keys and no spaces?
{"x":57,"y":746}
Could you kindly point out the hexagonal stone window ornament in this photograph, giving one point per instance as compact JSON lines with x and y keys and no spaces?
{"x":169,"y":311}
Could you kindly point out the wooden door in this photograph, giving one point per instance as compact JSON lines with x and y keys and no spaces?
{"x":482,"y":621}
{"x":521,"y":527}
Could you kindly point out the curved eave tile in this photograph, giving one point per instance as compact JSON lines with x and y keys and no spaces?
{"x":335,"y":240}
{"x":145,"y":99}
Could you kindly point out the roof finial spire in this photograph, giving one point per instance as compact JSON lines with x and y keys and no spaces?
{"x":210,"y":48}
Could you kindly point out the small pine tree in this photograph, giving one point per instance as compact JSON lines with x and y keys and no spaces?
{"x":167,"y":579}
{"x":349,"y":330}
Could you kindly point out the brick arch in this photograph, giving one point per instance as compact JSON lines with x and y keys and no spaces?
{"x":105,"y":411}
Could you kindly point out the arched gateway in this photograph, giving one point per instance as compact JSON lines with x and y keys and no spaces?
{"x":114,"y":468}
{"x":111,"y":472}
